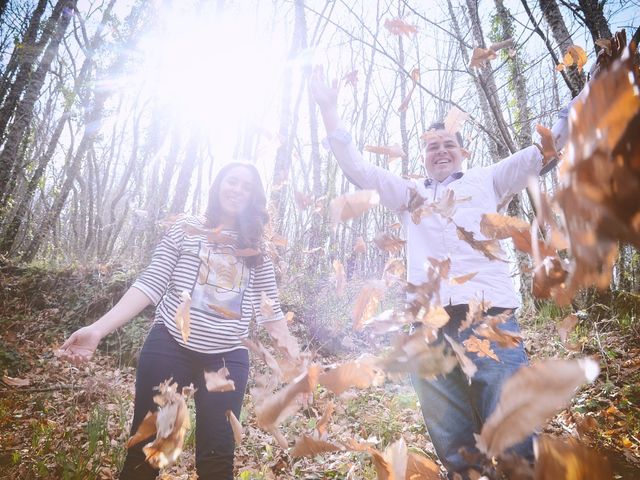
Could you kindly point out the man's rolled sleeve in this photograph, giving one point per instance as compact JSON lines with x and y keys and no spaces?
{"x":393,"y":190}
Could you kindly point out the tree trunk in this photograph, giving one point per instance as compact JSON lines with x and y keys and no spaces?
{"x":553,"y":17}
{"x":24,"y":110}
{"x":595,"y":20}
{"x":22,"y":59}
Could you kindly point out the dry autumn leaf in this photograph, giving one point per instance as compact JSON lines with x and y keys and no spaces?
{"x":352,"y":205}
{"x":394,"y":151}
{"x":351,"y":78}
{"x":307,"y":446}
{"x":360,"y":246}
{"x":359,"y":374}
{"x":468,"y":367}
{"x":366,"y":303}
{"x":183,"y":315}
{"x":258,"y":349}
{"x":15,"y":382}
{"x":566,"y":326}
{"x":566,"y":458}
{"x":489,"y":248}
{"x":398,"y":26}
{"x":415,"y":77}
{"x":454,"y":120}
{"x":218,"y":381}
{"x":529,"y":398}
{"x":323,"y":423}
{"x":480,"y":56}
{"x":236,"y":427}
{"x":266,"y":306}
{"x":459,"y":280}
{"x":274,"y":409}
{"x":480,"y":347}
{"x":491,"y":331}
{"x":388,"y":242}
{"x":341,"y":277}
{"x":414,"y":354}
{"x":170,"y":424}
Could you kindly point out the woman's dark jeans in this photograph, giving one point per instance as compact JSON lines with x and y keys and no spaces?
{"x":162,"y":358}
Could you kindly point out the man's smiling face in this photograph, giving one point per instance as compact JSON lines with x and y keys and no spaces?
{"x":442,"y":154}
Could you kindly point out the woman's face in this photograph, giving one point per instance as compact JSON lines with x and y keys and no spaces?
{"x":235,"y":191}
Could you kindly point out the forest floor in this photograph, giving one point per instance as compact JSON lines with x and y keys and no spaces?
{"x":65,"y":422}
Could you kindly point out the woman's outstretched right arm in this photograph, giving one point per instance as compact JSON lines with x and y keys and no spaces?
{"x":81,"y":345}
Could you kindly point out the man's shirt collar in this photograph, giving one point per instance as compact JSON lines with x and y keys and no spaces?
{"x":454,"y":176}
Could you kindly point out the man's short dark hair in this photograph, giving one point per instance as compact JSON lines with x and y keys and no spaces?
{"x":440,"y":126}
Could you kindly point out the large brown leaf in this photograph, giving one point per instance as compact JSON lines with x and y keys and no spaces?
{"x":359,"y":374}
{"x":567,"y":459}
{"x":366,"y":303}
{"x":352,"y":205}
{"x":529,"y":398}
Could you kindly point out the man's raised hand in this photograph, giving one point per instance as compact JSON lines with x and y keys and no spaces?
{"x":325,"y":95}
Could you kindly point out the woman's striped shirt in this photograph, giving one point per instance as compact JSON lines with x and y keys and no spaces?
{"x":225,"y":293}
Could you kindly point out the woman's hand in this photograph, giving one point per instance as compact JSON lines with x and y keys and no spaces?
{"x":81,"y":345}
{"x":325,"y":95}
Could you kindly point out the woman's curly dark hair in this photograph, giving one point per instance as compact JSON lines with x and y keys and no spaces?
{"x":250,"y":223}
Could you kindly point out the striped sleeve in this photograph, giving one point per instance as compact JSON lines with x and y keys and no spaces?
{"x":264,"y":280}
{"x":153,"y":281}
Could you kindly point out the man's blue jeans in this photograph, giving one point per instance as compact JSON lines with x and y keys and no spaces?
{"x":453,"y":409}
{"x":162,"y":358}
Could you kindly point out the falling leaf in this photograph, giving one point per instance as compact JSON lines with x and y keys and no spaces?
{"x":258,"y":349}
{"x":491,"y":331}
{"x":236,"y":427}
{"x":314,"y":250}
{"x":392,"y":151}
{"x":480,"y":56}
{"x":351,"y":78}
{"x":565,"y":458}
{"x":286,"y":343}
{"x":468,"y":367}
{"x":547,"y":144}
{"x":566,"y":326}
{"x":454,"y":120}
{"x":415,"y":77}
{"x":462,"y":278}
{"x":548,"y":277}
{"x":578,"y":56}
{"x":499,"y":227}
{"x":388,"y":242}
{"x":266,"y":306}
{"x":183,"y":315}
{"x":278,"y":240}
{"x":307,"y":446}
{"x":394,"y":270}
{"x":218,"y":381}
{"x":274,"y":409}
{"x":352,"y":205}
{"x":16,"y":382}
{"x":475,"y":313}
{"x":359,"y":374}
{"x":359,"y":246}
{"x":341,"y":277}
{"x":321,"y":426}
{"x":398,"y":26}
{"x":421,"y":468}
{"x":435,"y":317}
{"x":171,"y":424}
{"x":481,"y":347}
{"x":366,"y":303}
{"x":414,"y":354}
{"x":146,"y":429}
{"x":489,"y":248}
{"x":529,"y":398}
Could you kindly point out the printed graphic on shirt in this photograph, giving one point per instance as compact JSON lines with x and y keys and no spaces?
{"x":222,"y":279}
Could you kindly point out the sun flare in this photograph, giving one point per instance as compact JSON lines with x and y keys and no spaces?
{"x":211,"y":71}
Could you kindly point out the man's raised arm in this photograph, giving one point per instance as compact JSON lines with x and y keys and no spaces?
{"x":393,"y":190}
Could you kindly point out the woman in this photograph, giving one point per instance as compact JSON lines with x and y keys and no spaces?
{"x":218,"y":260}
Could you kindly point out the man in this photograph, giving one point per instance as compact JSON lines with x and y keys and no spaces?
{"x":453,"y":407}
